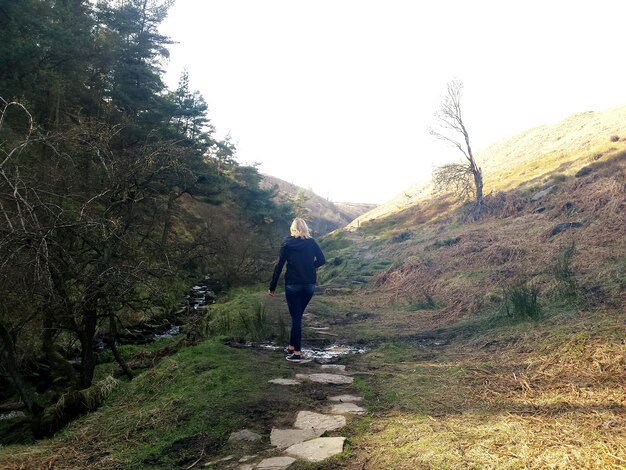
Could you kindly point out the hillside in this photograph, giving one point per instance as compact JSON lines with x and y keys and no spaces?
{"x":561,"y":148}
{"x":324,"y":215}
{"x":498,"y":343}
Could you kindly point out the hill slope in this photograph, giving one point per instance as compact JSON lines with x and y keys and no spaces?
{"x":325,"y":216}
{"x":561,"y":148}
{"x":498,"y":343}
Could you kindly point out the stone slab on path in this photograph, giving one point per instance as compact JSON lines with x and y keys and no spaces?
{"x":319,"y":422}
{"x":345,"y":398}
{"x":327,"y":378}
{"x":338,"y":367}
{"x":341,"y":408}
{"x":318,"y":449}
{"x":285,"y":382}
{"x":276,"y":463}
{"x":283,"y":438}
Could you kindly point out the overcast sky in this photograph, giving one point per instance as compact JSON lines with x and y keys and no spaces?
{"x":337,"y":96}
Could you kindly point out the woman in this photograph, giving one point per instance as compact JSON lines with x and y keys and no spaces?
{"x":303,"y":256}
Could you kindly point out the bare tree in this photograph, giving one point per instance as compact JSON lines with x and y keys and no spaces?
{"x":464,"y":179}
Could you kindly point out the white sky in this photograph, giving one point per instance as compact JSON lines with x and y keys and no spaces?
{"x":338,"y":95}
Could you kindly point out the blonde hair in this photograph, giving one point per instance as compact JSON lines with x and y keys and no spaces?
{"x":299,"y":228}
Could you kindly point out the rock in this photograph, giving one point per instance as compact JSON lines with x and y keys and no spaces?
{"x":568,"y":208}
{"x":543,"y":193}
{"x":276,"y":463}
{"x":245,"y":458}
{"x":338,"y":367}
{"x":318,"y":449}
{"x":319,"y":422}
{"x":285,"y":381}
{"x":215,"y":462}
{"x":244,"y":435}
{"x":283,"y":438}
{"x":564,"y":226}
{"x":341,"y":408}
{"x":12,"y":415}
{"x":326,"y":378}
{"x":345,"y":398}
{"x":326,"y":333}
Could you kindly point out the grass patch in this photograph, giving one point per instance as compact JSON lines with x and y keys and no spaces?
{"x":334,"y":242}
{"x":167,"y":417}
{"x":243,"y":315}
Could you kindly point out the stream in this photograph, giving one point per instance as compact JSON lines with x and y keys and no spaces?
{"x":326,"y":355}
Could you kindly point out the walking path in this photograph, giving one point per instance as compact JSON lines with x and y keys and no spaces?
{"x":306,"y":440}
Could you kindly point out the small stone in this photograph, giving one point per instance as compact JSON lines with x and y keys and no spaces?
{"x":326,"y":333}
{"x":339,"y":367}
{"x":285,"y":381}
{"x":541,"y":194}
{"x":331,"y":379}
{"x":215,"y":462}
{"x":345,"y":398}
{"x":341,"y":408}
{"x":244,"y":435}
{"x":318,"y":449}
{"x":283,"y":438}
{"x":319,"y":422}
{"x":564,"y":226}
{"x":276,"y":463}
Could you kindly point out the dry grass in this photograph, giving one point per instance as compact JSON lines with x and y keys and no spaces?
{"x":528,"y":398}
{"x":464,"y":263}
{"x":454,"y":388}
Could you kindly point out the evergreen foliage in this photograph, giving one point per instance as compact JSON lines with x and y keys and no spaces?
{"x":100,"y":168}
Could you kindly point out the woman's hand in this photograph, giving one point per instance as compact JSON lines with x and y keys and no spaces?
{"x":270,"y":293}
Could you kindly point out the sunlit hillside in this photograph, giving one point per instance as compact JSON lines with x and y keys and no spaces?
{"x":496,"y":343}
{"x":527,"y":158}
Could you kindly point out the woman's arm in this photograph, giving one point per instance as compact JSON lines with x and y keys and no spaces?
{"x":320,"y":260}
{"x":282,"y":258}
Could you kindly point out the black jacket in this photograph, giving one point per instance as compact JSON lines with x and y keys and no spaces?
{"x":303,"y":257}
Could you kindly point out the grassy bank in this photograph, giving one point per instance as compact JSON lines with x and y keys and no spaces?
{"x":167,"y":417}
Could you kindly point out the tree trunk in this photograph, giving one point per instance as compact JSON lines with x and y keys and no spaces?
{"x":7,"y":355}
{"x":88,"y":358}
{"x":112,"y":340}
{"x":478,"y":182}
{"x":167,"y":225}
{"x":47,"y":332}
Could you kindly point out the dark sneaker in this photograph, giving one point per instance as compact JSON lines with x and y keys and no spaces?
{"x":294,"y":358}
{"x":288,"y":351}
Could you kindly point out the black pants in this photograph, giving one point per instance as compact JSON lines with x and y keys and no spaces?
{"x":298,"y":297}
